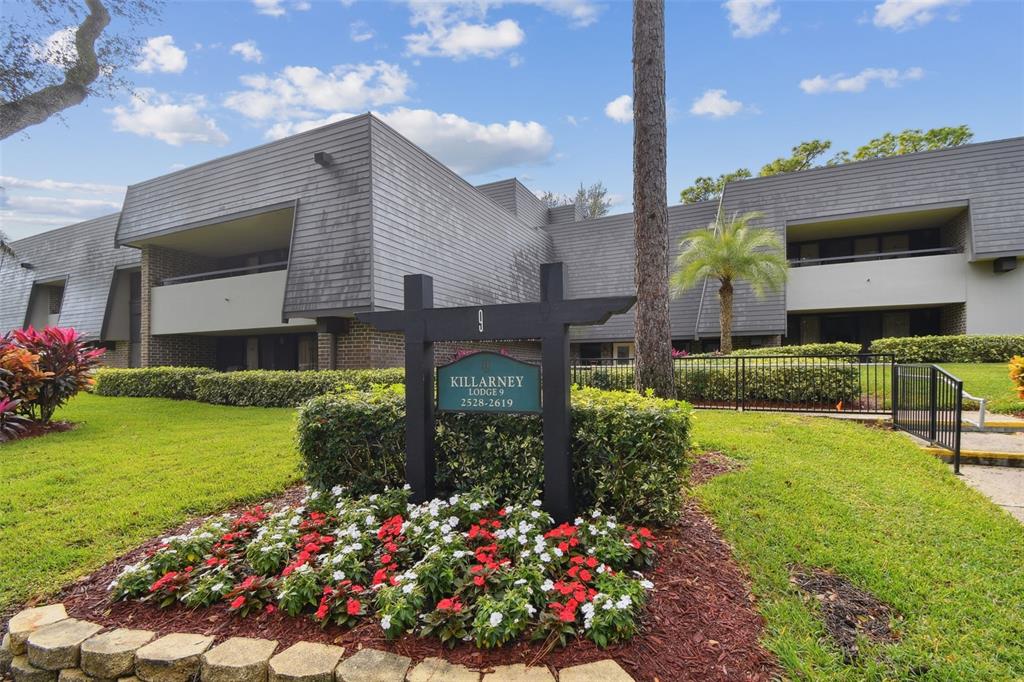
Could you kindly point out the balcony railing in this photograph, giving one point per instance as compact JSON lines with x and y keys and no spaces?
{"x":227,"y":272}
{"x":886,"y":255}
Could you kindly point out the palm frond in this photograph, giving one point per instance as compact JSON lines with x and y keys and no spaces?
{"x":732,"y":249}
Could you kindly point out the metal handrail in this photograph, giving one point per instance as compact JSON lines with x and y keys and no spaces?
{"x":881,"y":255}
{"x":276,"y":265}
{"x":981,"y":409}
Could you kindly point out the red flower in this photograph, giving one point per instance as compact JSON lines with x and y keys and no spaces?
{"x":445,"y":604}
{"x":478,"y":580}
{"x":270,"y":608}
{"x":238,"y":602}
{"x":379,"y":577}
{"x":321,"y":613}
{"x":312,"y":548}
{"x":353,"y":607}
{"x":385,"y":559}
{"x":248,"y":582}
{"x":585,"y":575}
{"x":326,"y":539}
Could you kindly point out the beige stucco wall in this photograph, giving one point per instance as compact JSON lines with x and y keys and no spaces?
{"x":995,"y":302}
{"x":247,"y":302}
{"x":895,"y":283}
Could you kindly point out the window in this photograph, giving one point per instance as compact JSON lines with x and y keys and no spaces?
{"x":624,"y":351}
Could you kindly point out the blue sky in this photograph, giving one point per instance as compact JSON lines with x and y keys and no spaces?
{"x":531,"y":88}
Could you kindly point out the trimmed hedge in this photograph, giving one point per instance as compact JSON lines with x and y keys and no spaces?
{"x":835,"y":348}
{"x":960,"y":348}
{"x":628,"y":450}
{"x":149,"y":382}
{"x":268,"y":388}
{"x":713,"y":380}
{"x":772,"y":384}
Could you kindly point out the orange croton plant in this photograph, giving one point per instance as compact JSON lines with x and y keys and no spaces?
{"x":1017,"y":373}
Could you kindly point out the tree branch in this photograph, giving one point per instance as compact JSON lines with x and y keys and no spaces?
{"x":38,"y":106}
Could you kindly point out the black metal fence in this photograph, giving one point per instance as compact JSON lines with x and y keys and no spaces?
{"x":928,"y":403}
{"x":819,"y":383}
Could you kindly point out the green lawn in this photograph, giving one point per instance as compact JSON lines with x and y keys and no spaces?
{"x":133,"y":468}
{"x":817,"y":492}
{"x":988,"y":380}
{"x":872,"y":506}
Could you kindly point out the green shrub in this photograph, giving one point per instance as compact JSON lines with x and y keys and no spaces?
{"x":960,"y":348}
{"x":266,"y":388}
{"x":628,"y":450}
{"x":767,"y":382}
{"x":150,"y":382}
{"x":714,"y":380}
{"x":835,"y":348}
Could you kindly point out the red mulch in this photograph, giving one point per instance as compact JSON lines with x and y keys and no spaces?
{"x":711,"y":464}
{"x":36,"y":429}
{"x":700,"y":623}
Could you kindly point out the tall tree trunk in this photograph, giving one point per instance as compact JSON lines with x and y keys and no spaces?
{"x":40,"y":105}
{"x":725,"y":315}
{"x":650,"y":203}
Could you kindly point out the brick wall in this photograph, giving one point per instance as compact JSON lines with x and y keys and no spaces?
{"x":118,"y":355}
{"x":172,"y":349}
{"x":954,"y":233}
{"x":953,"y":319}
{"x":363,"y":347}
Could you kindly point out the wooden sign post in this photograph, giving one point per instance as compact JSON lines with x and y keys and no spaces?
{"x":548,"y":320}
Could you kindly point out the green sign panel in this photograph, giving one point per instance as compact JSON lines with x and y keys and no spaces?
{"x":488,"y":382}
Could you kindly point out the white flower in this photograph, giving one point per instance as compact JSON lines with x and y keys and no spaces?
{"x":545,"y":557}
{"x":578,"y":521}
{"x":338,"y":576}
{"x":474,"y":506}
{"x":217,"y":588}
{"x":595,"y":514}
{"x":534,"y":514}
{"x":408,"y":588}
{"x":557,"y":551}
{"x":496,"y":618}
{"x":547,"y":585}
{"x":521,"y":581}
{"x":647,"y":584}
{"x":369,"y":520}
{"x":530,"y":610}
{"x":385,"y":623}
{"x":625,"y":601}
{"x":536,"y":503}
{"x":453,"y":521}
{"x":406,"y":487}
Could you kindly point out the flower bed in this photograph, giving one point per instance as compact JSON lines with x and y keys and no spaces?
{"x":457,"y":569}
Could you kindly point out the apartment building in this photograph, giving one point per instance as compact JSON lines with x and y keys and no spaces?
{"x":261,"y":259}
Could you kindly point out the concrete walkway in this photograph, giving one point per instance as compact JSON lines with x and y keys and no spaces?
{"x":1003,"y":485}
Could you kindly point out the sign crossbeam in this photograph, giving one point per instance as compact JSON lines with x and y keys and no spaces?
{"x":548,"y":320}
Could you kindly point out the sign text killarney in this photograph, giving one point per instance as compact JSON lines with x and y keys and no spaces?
{"x":488,"y":382}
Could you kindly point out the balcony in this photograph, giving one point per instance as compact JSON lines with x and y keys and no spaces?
{"x":222,"y":301}
{"x":896,"y":280}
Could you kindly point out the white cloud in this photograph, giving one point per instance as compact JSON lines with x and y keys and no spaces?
{"x":750,"y":18}
{"x":900,"y":15}
{"x":305,"y":92}
{"x":839,"y":82}
{"x":276,"y":8}
{"x":157,"y":115}
{"x":465,"y":146}
{"x":160,"y":54}
{"x":58,"y":48}
{"x":52,"y":203}
{"x":715,"y":104}
{"x":9,"y":181}
{"x":463,"y":40}
{"x":248,"y":51}
{"x":581,"y":13}
{"x":620,"y":109}
{"x":360,"y":31}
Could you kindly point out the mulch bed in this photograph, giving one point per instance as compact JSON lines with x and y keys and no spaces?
{"x":36,"y":429}
{"x":711,"y":464}
{"x":700,"y":623}
{"x":847,"y":610}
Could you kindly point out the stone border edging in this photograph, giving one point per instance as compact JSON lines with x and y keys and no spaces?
{"x":44,"y":644}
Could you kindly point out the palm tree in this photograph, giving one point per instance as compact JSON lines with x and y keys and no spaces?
{"x":650,"y":202}
{"x":731,"y":251}
{"x":6,"y":250}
